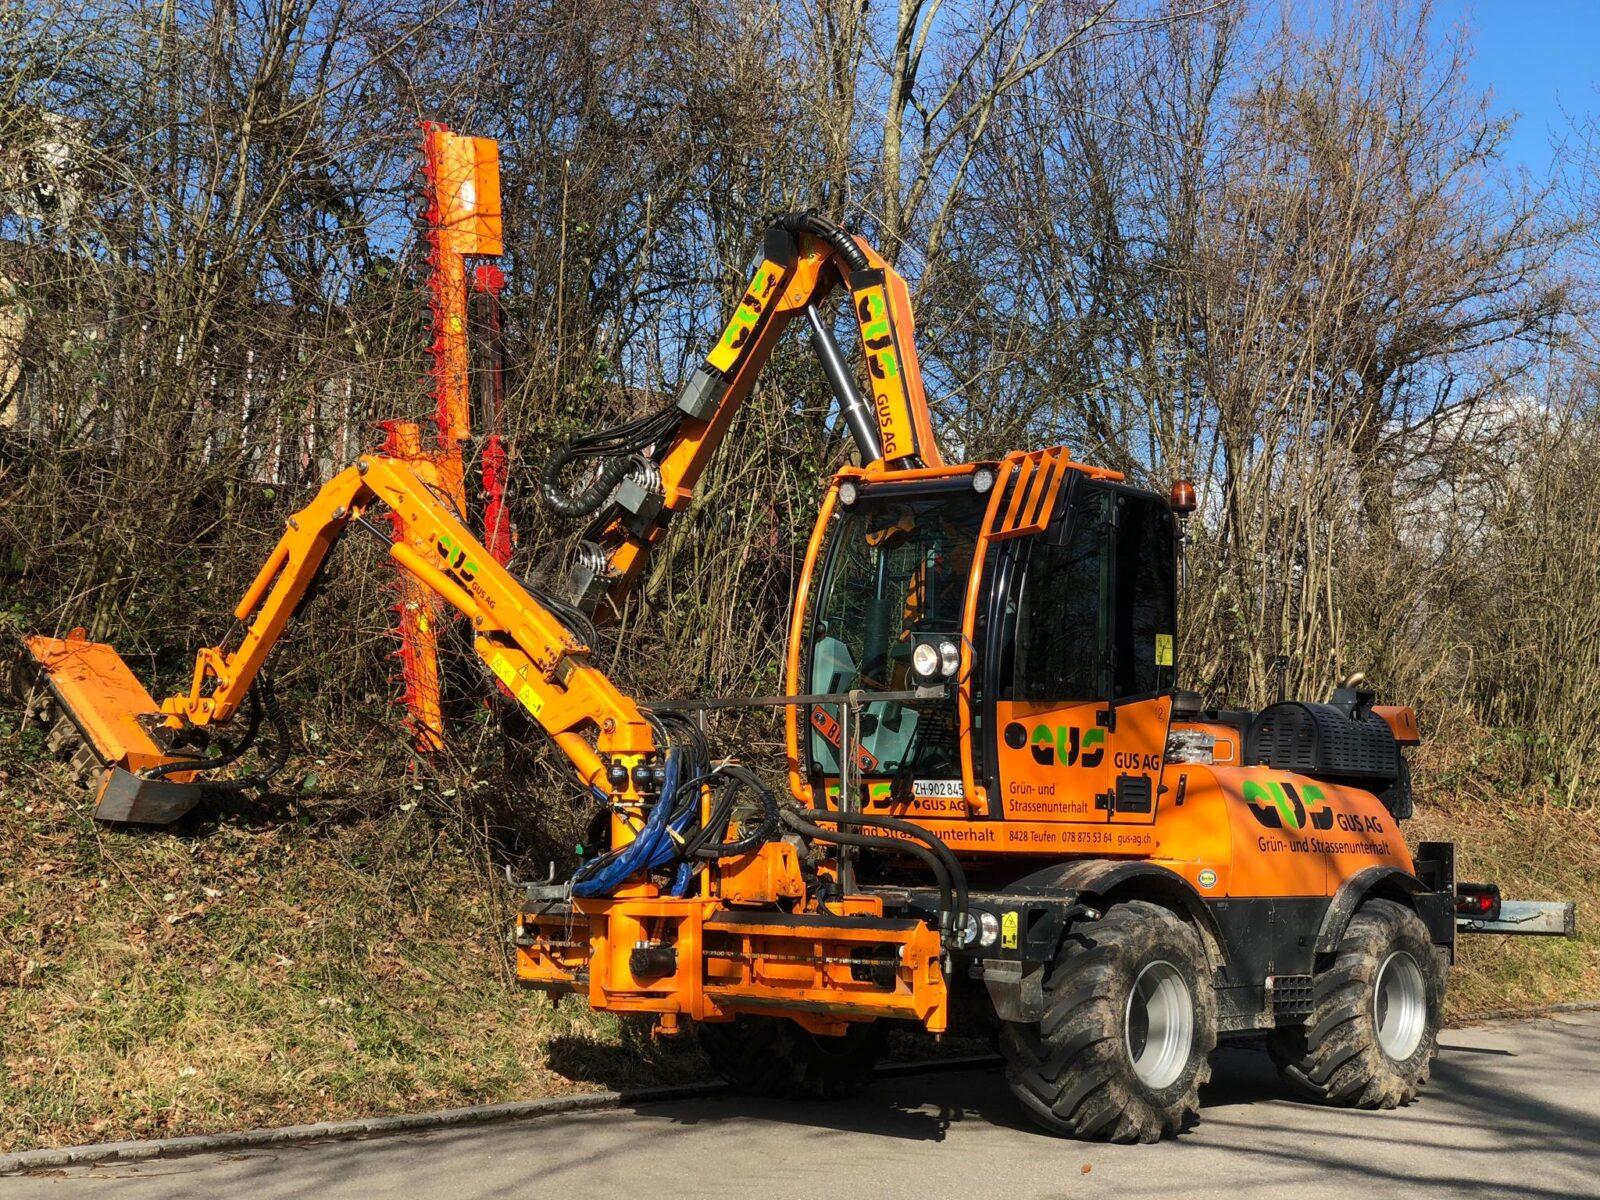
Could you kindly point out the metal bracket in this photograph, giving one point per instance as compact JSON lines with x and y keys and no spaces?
{"x":702,"y":394}
{"x":1532,"y":918}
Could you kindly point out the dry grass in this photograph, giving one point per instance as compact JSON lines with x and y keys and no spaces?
{"x":250,"y":972}
{"x":1523,"y":836}
{"x":1537,"y":851}
{"x":247,"y":974}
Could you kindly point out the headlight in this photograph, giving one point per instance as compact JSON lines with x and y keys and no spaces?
{"x":949,"y":658}
{"x":970,"y":931}
{"x":849,"y":493}
{"x":925,"y":660}
{"x":982,"y":479}
{"x":988,"y":929}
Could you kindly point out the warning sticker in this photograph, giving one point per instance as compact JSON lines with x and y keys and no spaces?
{"x":1163,"y":649}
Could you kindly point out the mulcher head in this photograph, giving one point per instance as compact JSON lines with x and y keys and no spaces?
{"x":101,"y":720}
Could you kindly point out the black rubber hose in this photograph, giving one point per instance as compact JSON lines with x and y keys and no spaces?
{"x":910,"y":829}
{"x":739,"y":779}
{"x":230,"y":754}
{"x":262,"y":700}
{"x":799,"y":824}
{"x":579,"y":504}
{"x":574,"y":618}
{"x":958,"y":875}
{"x":280,"y":750}
{"x":616,"y":445}
{"x":836,"y":236}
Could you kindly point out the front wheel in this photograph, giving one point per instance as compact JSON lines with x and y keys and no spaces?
{"x":774,"y":1057}
{"x":1129,"y":1024}
{"x":1374,"y":1028}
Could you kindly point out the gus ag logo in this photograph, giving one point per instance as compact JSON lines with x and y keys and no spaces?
{"x":1066,"y":744}
{"x":1280,"y":805}
{"x":456,"y":560}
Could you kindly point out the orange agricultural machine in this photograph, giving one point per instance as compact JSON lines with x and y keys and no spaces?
{"x":1002,"y":807}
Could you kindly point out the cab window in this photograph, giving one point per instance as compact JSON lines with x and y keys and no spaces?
{"x":897,"y":573}
{"x":1095,"y":615}
{"x":1062,"y":651}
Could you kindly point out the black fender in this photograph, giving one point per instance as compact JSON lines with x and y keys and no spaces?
{"x":1435,"y":908}
{"x":1103,"y":881}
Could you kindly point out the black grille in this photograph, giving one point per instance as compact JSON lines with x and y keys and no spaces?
{"x":1292,"y":997}
{"x":1321,"y":740}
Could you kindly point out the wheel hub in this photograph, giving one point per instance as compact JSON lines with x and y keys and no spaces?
{"x":1158,"y":1027}
{"x":1399,"y":1006}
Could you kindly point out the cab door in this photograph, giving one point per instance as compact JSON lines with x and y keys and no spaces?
{"x":1083,"y":705}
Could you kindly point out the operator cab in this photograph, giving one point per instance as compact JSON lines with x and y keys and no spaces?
{"x":1067,"y":688}
{"x":896,"y":577}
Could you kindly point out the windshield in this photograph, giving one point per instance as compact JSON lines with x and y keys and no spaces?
{"x":897,"y":574}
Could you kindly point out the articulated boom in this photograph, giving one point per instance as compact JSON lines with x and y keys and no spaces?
{"x":659,"y":459}
{"x":531,"y":650}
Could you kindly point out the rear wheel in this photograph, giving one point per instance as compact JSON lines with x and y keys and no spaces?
{"x":1374,"y":1027}
{"x":1129,"y":1024}
{"x":772,"y":1056}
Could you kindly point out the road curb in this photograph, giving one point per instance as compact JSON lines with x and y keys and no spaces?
{"x":1527,"y":1014}
{"x":476,"y":1114}
{"x":363,"y":1127}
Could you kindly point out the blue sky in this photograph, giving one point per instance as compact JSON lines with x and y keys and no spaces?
{"x":1540,"y":57}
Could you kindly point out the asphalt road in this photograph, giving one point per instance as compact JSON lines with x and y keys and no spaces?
{"x":1513,"y":1110}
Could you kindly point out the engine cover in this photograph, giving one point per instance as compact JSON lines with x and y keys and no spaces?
{"x":1324,"y":741}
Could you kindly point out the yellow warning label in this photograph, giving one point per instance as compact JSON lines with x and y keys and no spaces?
{"x":530,"y":699}
{"x":1008,"y":931}
{"x":1163,"y":649}
{"x":507,"y":674}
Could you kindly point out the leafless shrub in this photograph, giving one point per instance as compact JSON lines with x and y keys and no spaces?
{"x":1276,"y":253}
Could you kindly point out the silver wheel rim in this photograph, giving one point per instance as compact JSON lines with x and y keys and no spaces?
{"x":1399,"y":1006}
{"x":1158,"y":1027}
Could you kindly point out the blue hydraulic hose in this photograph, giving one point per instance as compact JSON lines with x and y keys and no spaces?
{"x":653,"y":847}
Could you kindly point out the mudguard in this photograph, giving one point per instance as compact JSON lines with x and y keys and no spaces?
{"x":1441,"y":923}
{"x":1114,"y":878}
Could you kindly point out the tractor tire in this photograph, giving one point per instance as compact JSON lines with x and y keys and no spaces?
{"x":1130,"y":1021}
{"x":1377,"y":1006}
{"x":776,"y":1058}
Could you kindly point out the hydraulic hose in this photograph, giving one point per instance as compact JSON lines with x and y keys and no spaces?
{"x":836,"y":236}
{"x":947,"y":908}
{"x":935,"y":845}
{"x":616,"y":445}
{"x":602,"y":876}
{"x":263,"y":700}
{"x":229,"y":755}
{"x":700,"y":846}
{"x":585,"y":502}
{"x":280,"y":733}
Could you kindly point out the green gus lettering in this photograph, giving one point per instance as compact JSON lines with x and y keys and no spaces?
{"x":1064,"y":744}
{"x":876,"y":336}
{"x":456,"y":560}
{"x":1280,"y":805}
{"x":745,"y":318}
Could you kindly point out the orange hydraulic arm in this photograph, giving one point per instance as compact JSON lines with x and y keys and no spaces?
{"x":542,"y":662}
{"x":653,"y":464}
{"x":534,"y":652}
{"x":539,"y":657}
